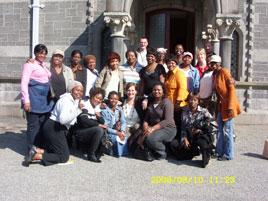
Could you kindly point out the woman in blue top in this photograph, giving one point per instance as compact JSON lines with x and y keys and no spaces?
{"x":111,"y":115}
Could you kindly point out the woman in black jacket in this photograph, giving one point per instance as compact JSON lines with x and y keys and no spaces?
{"x":90,"y":127}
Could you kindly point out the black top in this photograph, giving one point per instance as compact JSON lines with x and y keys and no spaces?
{"x":81,"y":76}
{"x":149,"y":79}
{"x":57,"y":83}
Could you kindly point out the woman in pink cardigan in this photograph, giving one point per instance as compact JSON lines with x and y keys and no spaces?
{"x":34,"y":90}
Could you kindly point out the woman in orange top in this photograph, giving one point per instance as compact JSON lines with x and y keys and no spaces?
{"x":228,"y":108}
{"x":176,"y":84}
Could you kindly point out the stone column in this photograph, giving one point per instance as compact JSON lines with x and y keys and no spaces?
{"x":226,"y":25}
{"x":118,"y":21}
{"x":211,"y":35}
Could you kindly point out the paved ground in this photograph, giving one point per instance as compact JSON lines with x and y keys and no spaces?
{"x":130,"y":179}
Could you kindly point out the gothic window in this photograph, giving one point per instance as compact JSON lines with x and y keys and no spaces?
{"x":235,"y":55}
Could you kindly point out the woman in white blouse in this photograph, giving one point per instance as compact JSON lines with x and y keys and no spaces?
{"x":131,"y":106}
{"x":55,"y":129}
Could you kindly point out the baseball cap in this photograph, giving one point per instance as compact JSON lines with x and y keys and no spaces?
{"x":60,"y":52}
{"x":187,"y":54}
{"x":215,"y":58}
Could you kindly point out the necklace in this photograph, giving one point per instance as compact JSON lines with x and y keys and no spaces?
{"x":129,"y":110}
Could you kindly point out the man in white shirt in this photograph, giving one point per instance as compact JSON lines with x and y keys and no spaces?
{"x":142,"y":51}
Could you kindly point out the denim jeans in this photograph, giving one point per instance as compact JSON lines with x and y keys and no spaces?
{"x":225,"y":140}
{"x":118,"y":149}
{"x":34,"y":123}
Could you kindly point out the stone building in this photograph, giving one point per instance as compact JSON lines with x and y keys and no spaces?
{"x":237,"y":29}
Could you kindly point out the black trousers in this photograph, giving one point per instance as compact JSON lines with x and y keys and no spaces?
{"x":55,"y":143}
{"x":91,"y":137}
{"x":187,"y":154}
{"x":177,"y":118}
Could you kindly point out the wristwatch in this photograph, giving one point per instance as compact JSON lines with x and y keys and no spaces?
{"x":153,"y":129}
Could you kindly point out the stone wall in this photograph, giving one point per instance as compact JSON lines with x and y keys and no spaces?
{"x":260,"y":52}
{"x":64,"y":24}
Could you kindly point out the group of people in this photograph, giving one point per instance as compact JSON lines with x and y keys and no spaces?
{"x":150,"y":104}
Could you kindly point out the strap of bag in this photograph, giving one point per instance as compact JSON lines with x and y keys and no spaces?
{"x":119,"y":113}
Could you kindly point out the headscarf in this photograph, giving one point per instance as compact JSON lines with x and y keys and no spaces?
{"x":161,"y":50}
{"x":72,"y":85}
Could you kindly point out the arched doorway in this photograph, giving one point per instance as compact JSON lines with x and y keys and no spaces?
{"x":168,"y":27}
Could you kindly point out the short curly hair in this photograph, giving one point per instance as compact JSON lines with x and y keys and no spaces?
{"x":87,"y":58}
{"x":97,"y":90}
{"x":113,"y":55}
{"x":113,"y":93}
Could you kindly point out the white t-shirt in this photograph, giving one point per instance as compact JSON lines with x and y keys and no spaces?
{"x":142,"y":58}
{"x":91,"y":80}
{"x":112,"y":85}
{"x":187,"y":73}
{"x":206,"y":85}
{"x":92,"y":111}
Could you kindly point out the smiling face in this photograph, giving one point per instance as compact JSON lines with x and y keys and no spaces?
{"x":91,"y":64}
{"x":172,"y":65}
{"x":131,"y":92}
{"x":57,"y":59}
{"x":131,"y":58}
{"x":77,"y":92}
{"x":215,"y":65}
{"x":114,"y":64}
{"x":179,"y":50}
{"x":96,"y":100}
{"x":187,"y":60}
{"x":158,"y":92}
{"x":41,"y":56}
{"x":76,"y":59}
{"x":113,"y":100}
{"x":151,"y":58}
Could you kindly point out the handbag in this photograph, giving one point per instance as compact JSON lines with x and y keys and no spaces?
{"x":214,"y":97}
{"x":213,"y":100}
{"x":106,"y":144}
{"x":117,"y":125}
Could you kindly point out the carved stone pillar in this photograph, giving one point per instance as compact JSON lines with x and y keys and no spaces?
{"x":226,"y":25}
{"x":118,"y":21}
{"x":211,"y":35}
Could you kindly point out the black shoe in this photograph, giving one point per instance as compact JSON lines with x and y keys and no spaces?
{"x":93,"y":158}
{"x":148,"y":155}
{"x":214,"y":156}
{"x":28,"y":159}
{"x":223,"y":159}
{"x":161,"y":157}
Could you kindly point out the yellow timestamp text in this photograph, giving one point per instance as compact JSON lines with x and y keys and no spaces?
{"x":196,"y":180}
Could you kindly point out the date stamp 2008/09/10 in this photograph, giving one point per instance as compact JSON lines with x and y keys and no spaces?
{"x":196,"y":180}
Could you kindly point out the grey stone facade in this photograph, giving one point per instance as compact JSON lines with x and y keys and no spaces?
{"x":80,"y":24}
